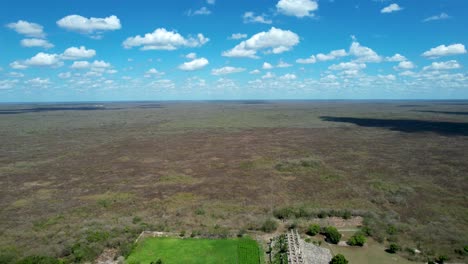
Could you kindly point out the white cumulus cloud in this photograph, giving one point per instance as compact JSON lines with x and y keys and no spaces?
{"x":226,"y":70}
{"x":445,"y":65}
{"x":193,"y":65}
{"x":91,"y":25}
{"x":27,"y":28}
{"x":273,"y":41}
{"x":74,"y":53}
{"x":97,"y":64}
{"x":41,"y":59}
{"x":161,"y":39}
{"x":332,"y":55}
{"x":267,"y":66}
{"x":309,"y":60}
{"x":36,"y":42}
{"x":405,"y":65}
{"x":298,"y":8}
{"x":343,"y":66}
{"x":396,"y":58}
{"x":442,"y":50}
{"x":363,"y":54}
{"x":288,"y":77}
{"x":391,"y":8}
{"x":250,"y":17}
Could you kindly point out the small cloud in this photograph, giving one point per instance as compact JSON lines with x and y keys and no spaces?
{"x":267,"y":66}
{"x":442,"y":16}
{"x":193,"y":65}
{"x":238,"y":36}
{"x":250,"y":17}
{"x":297,"y":8}
{"x":200,"y":12}
{"x":36,"y":42}
{"x":391,"y":8}
{"x":27,"y":28}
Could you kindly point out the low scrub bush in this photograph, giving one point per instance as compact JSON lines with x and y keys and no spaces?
{"x":357,"y":239}
{"x":269,"y":226}
{"x":332,"y":235}
{"x":339,"y":259}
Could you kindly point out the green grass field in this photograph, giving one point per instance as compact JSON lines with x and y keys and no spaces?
{"x":194,"y":250}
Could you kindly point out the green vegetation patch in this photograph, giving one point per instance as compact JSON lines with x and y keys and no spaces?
{"x":175,"y":178}
{"x":194,"y":250}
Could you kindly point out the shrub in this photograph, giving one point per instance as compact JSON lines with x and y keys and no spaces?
{"x":339,"y":259}
{"x":269,"y":226}
{"x":313,"y":230}
{"x":136,"y":220}
{"x":332,"y":234}
{"x":6,"y":258}
{"x":393,"y":248}
{"x":357,"y":239}
{"x":283,"y":213}
{"x":391,"y":230}
{"x":241,"y":232}
{"x":441,"y":259}
{"x":38,"y":260}
{"x":346,"y":214}
{"x":182,"y":233}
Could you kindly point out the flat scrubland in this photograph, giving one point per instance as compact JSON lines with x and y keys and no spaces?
{"x":76,"y":178}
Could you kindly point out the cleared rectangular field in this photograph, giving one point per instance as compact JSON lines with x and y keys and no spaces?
{"x":194,"y":250}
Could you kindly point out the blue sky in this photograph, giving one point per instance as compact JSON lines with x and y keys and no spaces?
{"x":218,"y":49}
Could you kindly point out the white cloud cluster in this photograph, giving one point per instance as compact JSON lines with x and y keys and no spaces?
{"x":391,"y":8}
{"x":250,"y":17}
{"x":161,"y":39}
{"x":41,"y":59}
{"x":91,"y":25}
{"x":27,"y":28}
{"x":442,"y":50}
{"x":363,"y":54}
{"x":193,"y":65}
{"x":404,"y":65}
{"x":343,"y":66}
{"x":298,"y":8}
{"x":74,"y":53}
{"x":332,"y":55}
{"x":32,"y":30}
{"x":153,"y":72}
{"x":446,"y":65}
{"x":273,"y":41}
{"x":396,"y":58}
{"x":288,"y":77}
{"x":97,"y":64}
{"x":309,"y":60}
{"x":226,"y":70}
{"x":38,"y":82}
{"x":36,"y":42}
